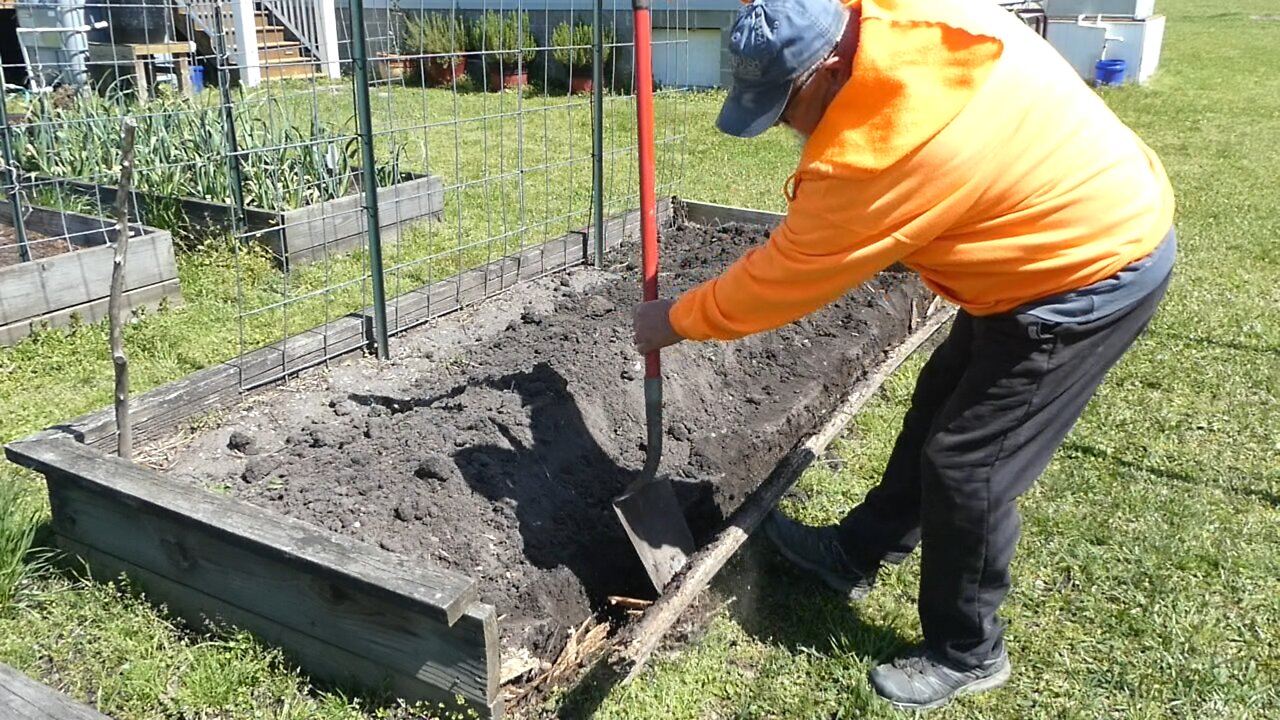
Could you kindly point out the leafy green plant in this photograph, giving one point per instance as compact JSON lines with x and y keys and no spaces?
{"x":571,"y":46}
{"x":20,"y":515}
{"x":504,"y":38}
{"x":437,"y":34}
{"x":182,"y":150}
{"x":63,"y":201}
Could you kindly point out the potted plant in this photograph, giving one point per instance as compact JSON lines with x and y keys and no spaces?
{"x":439,"y":41}
{"x":506,"y":46}
{"x":392,"y":66}
{"x":572,"y":48}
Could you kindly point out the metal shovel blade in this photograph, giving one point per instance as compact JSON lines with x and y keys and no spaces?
{"x":655,"y":522}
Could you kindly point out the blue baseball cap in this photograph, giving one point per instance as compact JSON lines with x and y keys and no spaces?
{"x":771,"y":44}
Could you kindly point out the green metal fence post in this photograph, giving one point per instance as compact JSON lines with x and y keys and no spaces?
{"x":11,"y":183}
{"x":364,"y":118}
{"x":597,"y":131}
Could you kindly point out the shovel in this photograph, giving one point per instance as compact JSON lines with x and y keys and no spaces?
{"x":648,"y":508}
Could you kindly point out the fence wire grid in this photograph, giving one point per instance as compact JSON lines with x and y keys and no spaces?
{"x":249,"y":154}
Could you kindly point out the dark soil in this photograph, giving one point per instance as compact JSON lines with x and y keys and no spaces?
{"x":40,"y":246}
{"x":503,"y":463}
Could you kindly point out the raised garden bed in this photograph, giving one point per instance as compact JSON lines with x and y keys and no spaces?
{"x":294,"y":237}
{"x":69,"y":276}
{"x":427,"y":521}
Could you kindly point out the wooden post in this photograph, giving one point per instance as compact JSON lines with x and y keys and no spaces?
{"x":326,"y":18}
{"x":116,"y":304}
{"x":245,"y":26}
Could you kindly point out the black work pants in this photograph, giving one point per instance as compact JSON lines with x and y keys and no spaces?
{"x":990,"y":408}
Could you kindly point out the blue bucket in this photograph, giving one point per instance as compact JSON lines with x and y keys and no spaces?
{"x":1109,"y":72}
{"x":197,"y":78}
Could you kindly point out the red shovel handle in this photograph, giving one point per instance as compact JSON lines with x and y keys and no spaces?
{"x":648,"y":182}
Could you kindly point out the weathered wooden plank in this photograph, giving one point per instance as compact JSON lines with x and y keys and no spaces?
{"x":420,"y":194}
{"x":128,"y":52}
{"x":339,"y":225}
{"x":162,"y":409}
{"x":711,"y":214}
{"x":149,"y":297}
{"x":321,"y":659}
{"x":22,"y":698}
{"x":154,"y":412}
{"x":301,"y":351}
{"x":633,"y":651}
{"x":445,"y":296}
{"x":442,"y":593}
{"x":75,"y":278}
{"x":409,"y":617}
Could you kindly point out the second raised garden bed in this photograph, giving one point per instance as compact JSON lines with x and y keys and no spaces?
{"x":68,"y":278}
{"x":294,"y":237}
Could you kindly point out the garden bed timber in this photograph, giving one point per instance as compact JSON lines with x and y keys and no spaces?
{"x":294,"y":237}
{"x":74,"y":284}
{"x":479,"y":463}
{"x":22,"y":698}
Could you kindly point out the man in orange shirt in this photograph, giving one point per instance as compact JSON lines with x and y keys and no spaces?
{"x":945,"y":135}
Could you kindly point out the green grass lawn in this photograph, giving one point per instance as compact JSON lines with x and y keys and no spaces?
{"x":1147,"y":583}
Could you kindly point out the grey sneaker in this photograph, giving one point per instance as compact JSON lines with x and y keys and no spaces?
{"x":817,"y":549}
{"x":919,"y":681}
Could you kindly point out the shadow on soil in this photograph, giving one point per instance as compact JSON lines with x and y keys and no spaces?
{"x":563,"y":483}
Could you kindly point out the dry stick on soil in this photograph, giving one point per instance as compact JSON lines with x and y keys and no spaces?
{"x":627,"y":603}
{"x":634,"y":650}
{"x":116,"y":304}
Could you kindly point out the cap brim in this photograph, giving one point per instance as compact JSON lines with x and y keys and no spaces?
{"x":747,"y":113}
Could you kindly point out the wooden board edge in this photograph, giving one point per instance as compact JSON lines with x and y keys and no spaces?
{"x":335,"y":339}
{"x":317,"y":657}
{"x":71,"y":279}
{"x":94,"y":427}
{"x":633,"y":650}
{"x":487,"y":615}
{"x":311,"y":547}
{"x":150,"y":297}
{"x":45,"y":703}
{"x":703,"y":213}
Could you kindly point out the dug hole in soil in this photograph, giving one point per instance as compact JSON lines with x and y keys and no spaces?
{"x":495,"y":440}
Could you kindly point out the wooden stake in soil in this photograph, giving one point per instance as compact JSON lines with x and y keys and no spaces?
{"x":116,"y":304}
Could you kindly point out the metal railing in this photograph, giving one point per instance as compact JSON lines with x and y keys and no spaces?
{"x":314,"y":23}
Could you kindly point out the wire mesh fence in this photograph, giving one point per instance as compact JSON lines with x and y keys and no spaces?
{"x":443,"y":137}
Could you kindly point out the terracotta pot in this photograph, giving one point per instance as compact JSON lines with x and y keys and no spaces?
{"x":443,"y":71}
{"x":507,"y":81}
{"x":391,"y":67}
{"x":580,"y":85}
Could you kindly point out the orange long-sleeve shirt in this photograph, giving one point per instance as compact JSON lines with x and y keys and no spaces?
{"x":963,"y":146}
